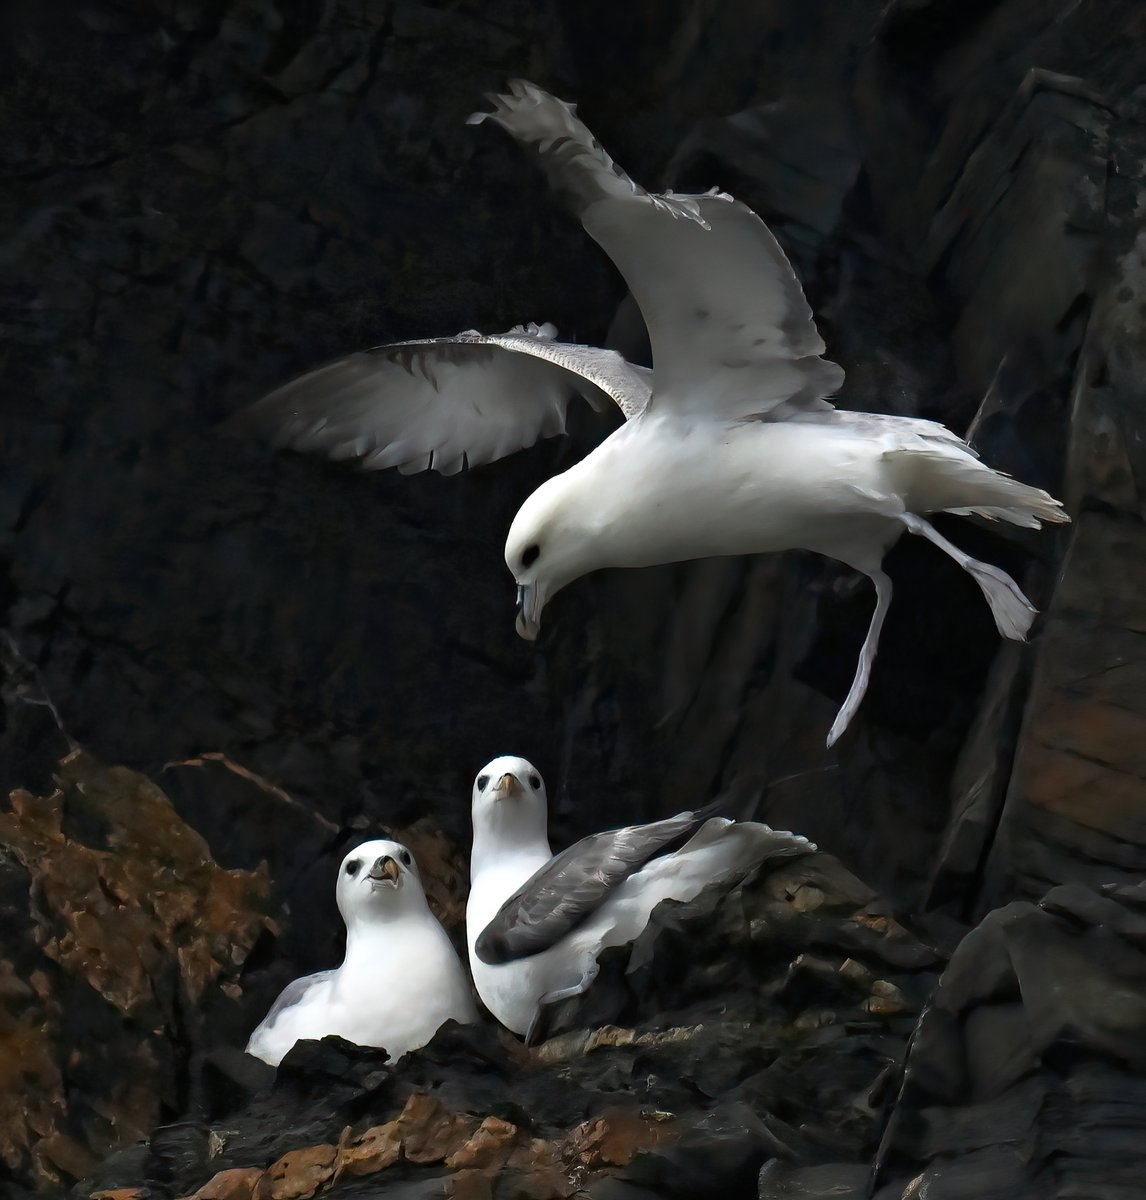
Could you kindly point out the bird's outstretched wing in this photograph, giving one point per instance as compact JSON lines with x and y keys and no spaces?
{"x":730,"y":329}
{"x":575,"y":883}
{"x":444,"y":403}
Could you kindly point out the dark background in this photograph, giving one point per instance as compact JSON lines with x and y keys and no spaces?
{"x":201,"y":199}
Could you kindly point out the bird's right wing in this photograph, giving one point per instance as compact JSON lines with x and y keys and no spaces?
{"x":444,"y":403}
{"x":575,"y":883}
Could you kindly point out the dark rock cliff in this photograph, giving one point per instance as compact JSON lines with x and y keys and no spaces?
{"x":200,"y":199}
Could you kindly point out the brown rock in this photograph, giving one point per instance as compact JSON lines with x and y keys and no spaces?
{"x":533,"y":1155}
{"x":489,"y":1146}
{"x":374,"y":1150}
{"x":534,"y":1171}
{"x":31,"y":1086}
{"x":239,"y":1183}
{"x":124,"y":897}
{"x":470,"y":1185}
{"x":298,"y":1174}
{"x":429,"y":1133}
{"x":1076,"y":806}
{"x":118,"y":912}
{"x":614,"y":1138}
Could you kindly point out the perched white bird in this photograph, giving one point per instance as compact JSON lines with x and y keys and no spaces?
{"x":536,"y":923}
{"x":731,"y":447}
{"x":400,"y":980}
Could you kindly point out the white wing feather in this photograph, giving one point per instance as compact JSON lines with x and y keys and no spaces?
{"x":730,"y":328}
{"x":445,"y":403}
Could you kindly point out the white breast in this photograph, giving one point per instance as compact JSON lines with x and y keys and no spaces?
{"x":509,"y":991}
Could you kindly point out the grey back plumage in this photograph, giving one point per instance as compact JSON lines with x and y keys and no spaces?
{"x":291,"y":995}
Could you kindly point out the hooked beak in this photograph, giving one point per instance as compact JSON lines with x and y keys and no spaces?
{"x":385,"y":870}
{"x":529,"y":606}
{"x":506,"y":786}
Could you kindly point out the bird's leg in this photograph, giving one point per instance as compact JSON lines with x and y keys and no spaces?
{"x":866,"y":655}
{"x":1012,"y":611}
{"x":537,"y":1026}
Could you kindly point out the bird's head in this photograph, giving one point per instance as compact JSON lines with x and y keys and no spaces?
{"x":378,"y":878}
{"x":509,"y":801}
{"x":548,"y":547}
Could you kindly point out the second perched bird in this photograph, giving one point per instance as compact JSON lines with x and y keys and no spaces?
{"x":400,"y":980}
{"x":536,"y":923}
{"x":730,"y":445}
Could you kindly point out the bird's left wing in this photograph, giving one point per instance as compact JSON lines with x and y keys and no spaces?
{"x":731,"y":331}
{"x":575,"y":883}
{"x":444,"y":403}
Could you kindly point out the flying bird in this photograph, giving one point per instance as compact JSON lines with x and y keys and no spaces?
{"x":536,"y":923}
{"x":401,"y":978}
{"x":730,"y":445}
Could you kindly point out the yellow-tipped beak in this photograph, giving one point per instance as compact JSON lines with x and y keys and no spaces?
{"x":386,"y":868}
{"x":506,"y":786}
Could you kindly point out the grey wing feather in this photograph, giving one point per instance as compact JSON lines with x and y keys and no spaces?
{"x":444,"y":403}
{"x":575,"y":883}
{"x":731,"y":331}
{"x":895,"y":429}
{"x":291,"y":995}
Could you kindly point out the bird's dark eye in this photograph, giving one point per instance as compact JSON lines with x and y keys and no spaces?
{"x":405,"y":857}
{"x":531,"y":554}
{"x":482,"y":781}
{"x":352,"y":867}
{"x":535,"y":781}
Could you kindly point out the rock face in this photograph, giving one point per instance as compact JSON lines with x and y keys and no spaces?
{"x":282,"y":656}
{"x":121,"y":937}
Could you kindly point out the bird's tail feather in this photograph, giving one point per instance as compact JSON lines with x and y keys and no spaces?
{"x":948,"y":479}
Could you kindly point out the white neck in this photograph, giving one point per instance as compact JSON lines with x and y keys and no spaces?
{"x":363,"y":925}
{"x":508,"y":830}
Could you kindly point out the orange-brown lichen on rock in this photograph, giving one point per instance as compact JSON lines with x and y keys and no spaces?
{"x":31,"y":1086}
{"x":238,"y":1183}
{"x":430,"y":1134}
{"x":117,"y":911}
{"x":488,"y":1147}
{"x":298,"y":1174}
{"x":615,"y":1138}
{"x":373,"y":1150}
{"x":124,"y":900}
{"x":482,"y":1155}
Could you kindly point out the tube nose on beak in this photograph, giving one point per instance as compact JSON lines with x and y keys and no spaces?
{"x":525,"y":622}
{"x":506,"y":786}
{"x":385,"y":868}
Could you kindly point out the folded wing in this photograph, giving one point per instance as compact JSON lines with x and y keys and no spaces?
{"x":730,"y":329}
{"x":575,"y":883}
{"x":444,"y":403}
{"x":266,"y":1039}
